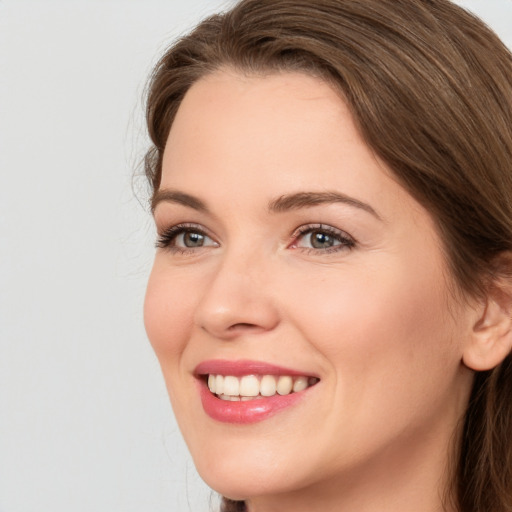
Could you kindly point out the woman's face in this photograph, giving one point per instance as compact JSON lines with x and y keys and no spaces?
{"x":287,"y":251}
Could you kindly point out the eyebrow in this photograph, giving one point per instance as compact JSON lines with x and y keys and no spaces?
{"x":281,"y":204}
{"x":175,"y":196}
{"x":309,"y":199}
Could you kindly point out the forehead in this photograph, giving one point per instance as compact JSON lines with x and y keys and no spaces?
{"x":244,"y":138}
{"x":253,"y":108}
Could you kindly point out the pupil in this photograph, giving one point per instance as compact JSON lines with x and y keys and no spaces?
{"x":193,"y":239}
{"x":321,"y":240}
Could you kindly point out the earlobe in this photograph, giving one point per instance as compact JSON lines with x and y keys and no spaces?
{"x":491,"y":337}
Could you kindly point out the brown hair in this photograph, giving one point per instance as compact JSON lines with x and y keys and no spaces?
{"x":430,"y":88}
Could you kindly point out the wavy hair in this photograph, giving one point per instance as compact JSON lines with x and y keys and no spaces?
{"x":430,"y":89}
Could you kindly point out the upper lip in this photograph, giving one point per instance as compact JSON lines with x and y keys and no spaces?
{"x":242,"y":367}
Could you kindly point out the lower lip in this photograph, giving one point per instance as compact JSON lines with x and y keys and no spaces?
{"x":250,"y":411}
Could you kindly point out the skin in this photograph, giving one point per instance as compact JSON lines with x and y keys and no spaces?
{"x":373,"y":319}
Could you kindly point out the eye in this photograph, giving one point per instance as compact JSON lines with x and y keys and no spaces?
{"x":184,"y":238}
{"x":190,"y":239}
{"x":321,"y":238}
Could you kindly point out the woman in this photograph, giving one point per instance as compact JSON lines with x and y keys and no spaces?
{"x":331,"y":296}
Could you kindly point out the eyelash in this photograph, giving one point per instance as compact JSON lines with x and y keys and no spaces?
{"x":346,"y":242}
{"x":167,"y":239}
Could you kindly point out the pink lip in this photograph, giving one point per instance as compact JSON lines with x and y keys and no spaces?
{"x":251,"y":411}
{"x":244,"y":367}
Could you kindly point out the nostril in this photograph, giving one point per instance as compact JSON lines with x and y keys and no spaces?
{"x":242,"y":326}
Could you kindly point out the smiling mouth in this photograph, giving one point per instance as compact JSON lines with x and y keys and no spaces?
{"x":254,"y":387}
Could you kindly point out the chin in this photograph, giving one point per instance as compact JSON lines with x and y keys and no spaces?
{"x":244,"y":474}
{"x":242,"y":484}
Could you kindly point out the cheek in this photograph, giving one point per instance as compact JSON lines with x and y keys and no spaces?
{"x":167,"y":316}
{"x":385,"y":331}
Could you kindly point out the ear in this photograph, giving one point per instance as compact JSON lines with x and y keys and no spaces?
{"x":491,"y":336}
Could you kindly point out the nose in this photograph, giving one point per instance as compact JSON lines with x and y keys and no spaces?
{"x":237,"y":300}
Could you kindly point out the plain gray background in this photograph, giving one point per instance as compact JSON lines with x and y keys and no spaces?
{"x":85,"y":423}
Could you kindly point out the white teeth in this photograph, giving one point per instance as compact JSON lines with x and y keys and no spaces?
{"x":250,"y":387}
{"x":230,"y":398}
{"x":211,"y":383}
{"x":300,"y":384}
{"x":284,"y":385}
{"x":219,"y":384}
{"x":268,"y":385}
{"x":231,"y":386}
